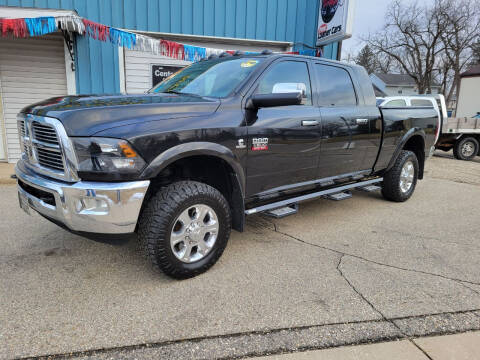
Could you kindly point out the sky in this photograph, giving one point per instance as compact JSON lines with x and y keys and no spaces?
{"x":368,"y":17}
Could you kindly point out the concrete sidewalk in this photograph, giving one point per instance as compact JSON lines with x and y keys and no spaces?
{"x":6,"y":172}
{"x":464,"y":346}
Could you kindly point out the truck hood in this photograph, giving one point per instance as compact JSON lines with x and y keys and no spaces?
{"x":89,"y":114}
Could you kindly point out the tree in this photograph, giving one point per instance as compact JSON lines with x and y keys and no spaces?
{"x":475,"y":53}
{"x":367,"y":59}
{"x":431,"y":43}
{"x":385,"y":63}
{"x":461,"y":19}
{"x":411,"y":38}
{"x":371,"y":61}
{"x":444,"y":76}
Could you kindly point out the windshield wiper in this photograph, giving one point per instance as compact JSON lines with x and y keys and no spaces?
{"x":181,"y":93}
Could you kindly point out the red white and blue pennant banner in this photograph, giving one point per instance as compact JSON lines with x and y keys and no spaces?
{"x":27,"y":27}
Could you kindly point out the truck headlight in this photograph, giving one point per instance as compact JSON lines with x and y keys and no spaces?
{"x":106,"y":156}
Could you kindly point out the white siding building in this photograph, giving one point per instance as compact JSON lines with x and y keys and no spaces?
{"x":468,"y":104}
{"x":398,"y":84}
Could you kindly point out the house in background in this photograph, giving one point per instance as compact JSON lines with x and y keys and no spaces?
{"x":397,"y":84}
{"x":468,"y":104}
{"x":378,"y":91}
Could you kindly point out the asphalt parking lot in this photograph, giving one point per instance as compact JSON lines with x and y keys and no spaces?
{"x":355,"y":271}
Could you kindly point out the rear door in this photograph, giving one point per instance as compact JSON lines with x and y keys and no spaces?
{"x":350,"y":131}
{"x":284,"y":141}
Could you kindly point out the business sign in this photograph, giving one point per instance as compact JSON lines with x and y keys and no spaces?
{"x":335,"y":21}
{"x":161,"y":72}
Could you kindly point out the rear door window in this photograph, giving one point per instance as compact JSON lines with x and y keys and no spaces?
{"x":335,"y":86}
{"x":421,"y":102}
{"x":396,"y":103}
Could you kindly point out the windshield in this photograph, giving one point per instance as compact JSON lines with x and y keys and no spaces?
{"x":212,"y":78}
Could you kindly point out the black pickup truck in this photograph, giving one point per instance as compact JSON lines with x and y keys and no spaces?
{"x":221,"y":139}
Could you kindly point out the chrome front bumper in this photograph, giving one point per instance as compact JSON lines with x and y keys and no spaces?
{"x":94,"y":207}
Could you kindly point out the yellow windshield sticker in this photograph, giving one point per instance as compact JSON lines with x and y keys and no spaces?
{"x":249,"y":63}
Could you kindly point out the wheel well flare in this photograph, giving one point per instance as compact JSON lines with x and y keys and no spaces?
{"x":416,"y":144}
{"x":210,"y":170}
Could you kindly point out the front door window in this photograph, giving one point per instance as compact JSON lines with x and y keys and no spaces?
{"x":287,"y":76}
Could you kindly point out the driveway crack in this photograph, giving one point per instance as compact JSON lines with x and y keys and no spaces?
{"x":342,"y":274}
{"x":469,"y":288}
{"x":356,"y":290}
{"x":373,"y":261}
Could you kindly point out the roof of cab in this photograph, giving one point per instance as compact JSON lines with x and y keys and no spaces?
{"x":278,"y":55}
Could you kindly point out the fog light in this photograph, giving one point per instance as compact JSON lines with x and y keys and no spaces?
{"x":92,"y":205}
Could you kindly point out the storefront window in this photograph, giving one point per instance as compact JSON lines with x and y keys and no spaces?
{"x":213,"y":78}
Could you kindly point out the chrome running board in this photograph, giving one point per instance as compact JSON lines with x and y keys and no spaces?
{"x":339,"y":196}
{"x":314,"y":195}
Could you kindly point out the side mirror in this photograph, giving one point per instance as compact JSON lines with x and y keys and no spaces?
{"x":258,"y":101}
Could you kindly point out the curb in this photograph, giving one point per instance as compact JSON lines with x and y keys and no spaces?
{"x":6,"y":172}
{"x":7,"y":180}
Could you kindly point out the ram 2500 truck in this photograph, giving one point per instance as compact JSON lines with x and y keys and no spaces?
{"x":221,"y":139}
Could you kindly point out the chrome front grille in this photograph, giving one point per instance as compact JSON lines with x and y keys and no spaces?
{"x":22,"y":133}
{"x":46,"y":147}
{"x":50,"y":158}
{"x":44,"y":133}
{"x":21,"y":128}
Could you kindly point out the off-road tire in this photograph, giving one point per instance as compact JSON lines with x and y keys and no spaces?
{"x":157,"y":220}
{"x":457,"y":149}
{"x":391,"y":189}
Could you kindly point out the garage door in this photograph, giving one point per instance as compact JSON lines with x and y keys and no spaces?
{"x":31,"y":70}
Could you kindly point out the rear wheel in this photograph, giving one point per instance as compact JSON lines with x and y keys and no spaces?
{"x":400,"y":181}
{"x":185,"y":228}
{"x":466,"y":148}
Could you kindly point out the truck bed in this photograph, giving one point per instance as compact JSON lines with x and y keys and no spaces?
{"x":461,"y":125}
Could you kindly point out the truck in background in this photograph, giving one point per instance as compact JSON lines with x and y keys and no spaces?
{"x":460,"y":134}
{"x":462,"y":131}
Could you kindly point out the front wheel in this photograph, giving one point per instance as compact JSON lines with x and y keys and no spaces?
{"x":466,"y":148}
{"x":399,"y":182}
{"x":185,"y":228}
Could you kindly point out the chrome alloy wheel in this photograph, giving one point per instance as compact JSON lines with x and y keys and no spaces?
{"x":194,"y":233}
{"x":468,"y":148}
{"x":406,"y":176}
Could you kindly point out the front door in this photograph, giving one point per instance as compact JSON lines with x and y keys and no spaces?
{"x":283,"y":142}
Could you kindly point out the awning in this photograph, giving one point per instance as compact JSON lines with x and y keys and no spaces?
{"x":11,"y":12}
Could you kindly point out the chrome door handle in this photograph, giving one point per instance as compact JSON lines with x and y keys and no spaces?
{"x":309,"y":122}
{"x":362,"y":121}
